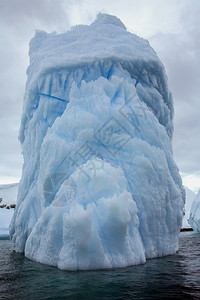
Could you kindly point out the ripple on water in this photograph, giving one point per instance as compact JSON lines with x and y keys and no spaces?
{"x":175,"y":276}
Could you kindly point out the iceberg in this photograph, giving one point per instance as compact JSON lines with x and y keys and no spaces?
{"x":99,"y":186}
{"x":5,"y":219}
{"x":190,"y":195}
{"x":194,"y":219}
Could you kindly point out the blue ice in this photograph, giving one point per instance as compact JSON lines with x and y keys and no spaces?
{"x":99,"y":186}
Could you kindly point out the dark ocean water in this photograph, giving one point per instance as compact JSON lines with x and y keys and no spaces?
{"x":171,"y":277}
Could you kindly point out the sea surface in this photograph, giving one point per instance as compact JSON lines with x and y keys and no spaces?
{"x":172,"y":277}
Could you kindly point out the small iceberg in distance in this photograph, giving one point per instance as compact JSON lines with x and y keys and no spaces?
{"x":194,"y":219}
{"x":8,"y":197}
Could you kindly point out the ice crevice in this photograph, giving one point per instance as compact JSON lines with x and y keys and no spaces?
{"x":85,"y":72}
{"x":50,"y":96}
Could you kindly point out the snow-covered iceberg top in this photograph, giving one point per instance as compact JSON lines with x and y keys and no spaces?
{"x":99,"y":187}
{"x":84,"y":44}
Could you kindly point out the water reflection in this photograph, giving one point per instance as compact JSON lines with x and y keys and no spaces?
{"x":170,"y":277}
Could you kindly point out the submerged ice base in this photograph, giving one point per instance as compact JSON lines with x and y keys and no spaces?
{"x":99,"y":187}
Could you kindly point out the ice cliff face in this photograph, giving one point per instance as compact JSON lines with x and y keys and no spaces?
{"x":99,"y":187}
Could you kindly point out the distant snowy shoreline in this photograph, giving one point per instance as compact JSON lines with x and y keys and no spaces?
{"x":8,"y":195}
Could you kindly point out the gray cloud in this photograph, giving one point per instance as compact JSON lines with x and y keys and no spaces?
{"x":18,"y":21}
{"x":180,"y":54}
{"x":24,"y":14}
{"x":174,"y":33}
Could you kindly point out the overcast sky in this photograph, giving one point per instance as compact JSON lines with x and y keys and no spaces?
{"x":173,"y":29}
